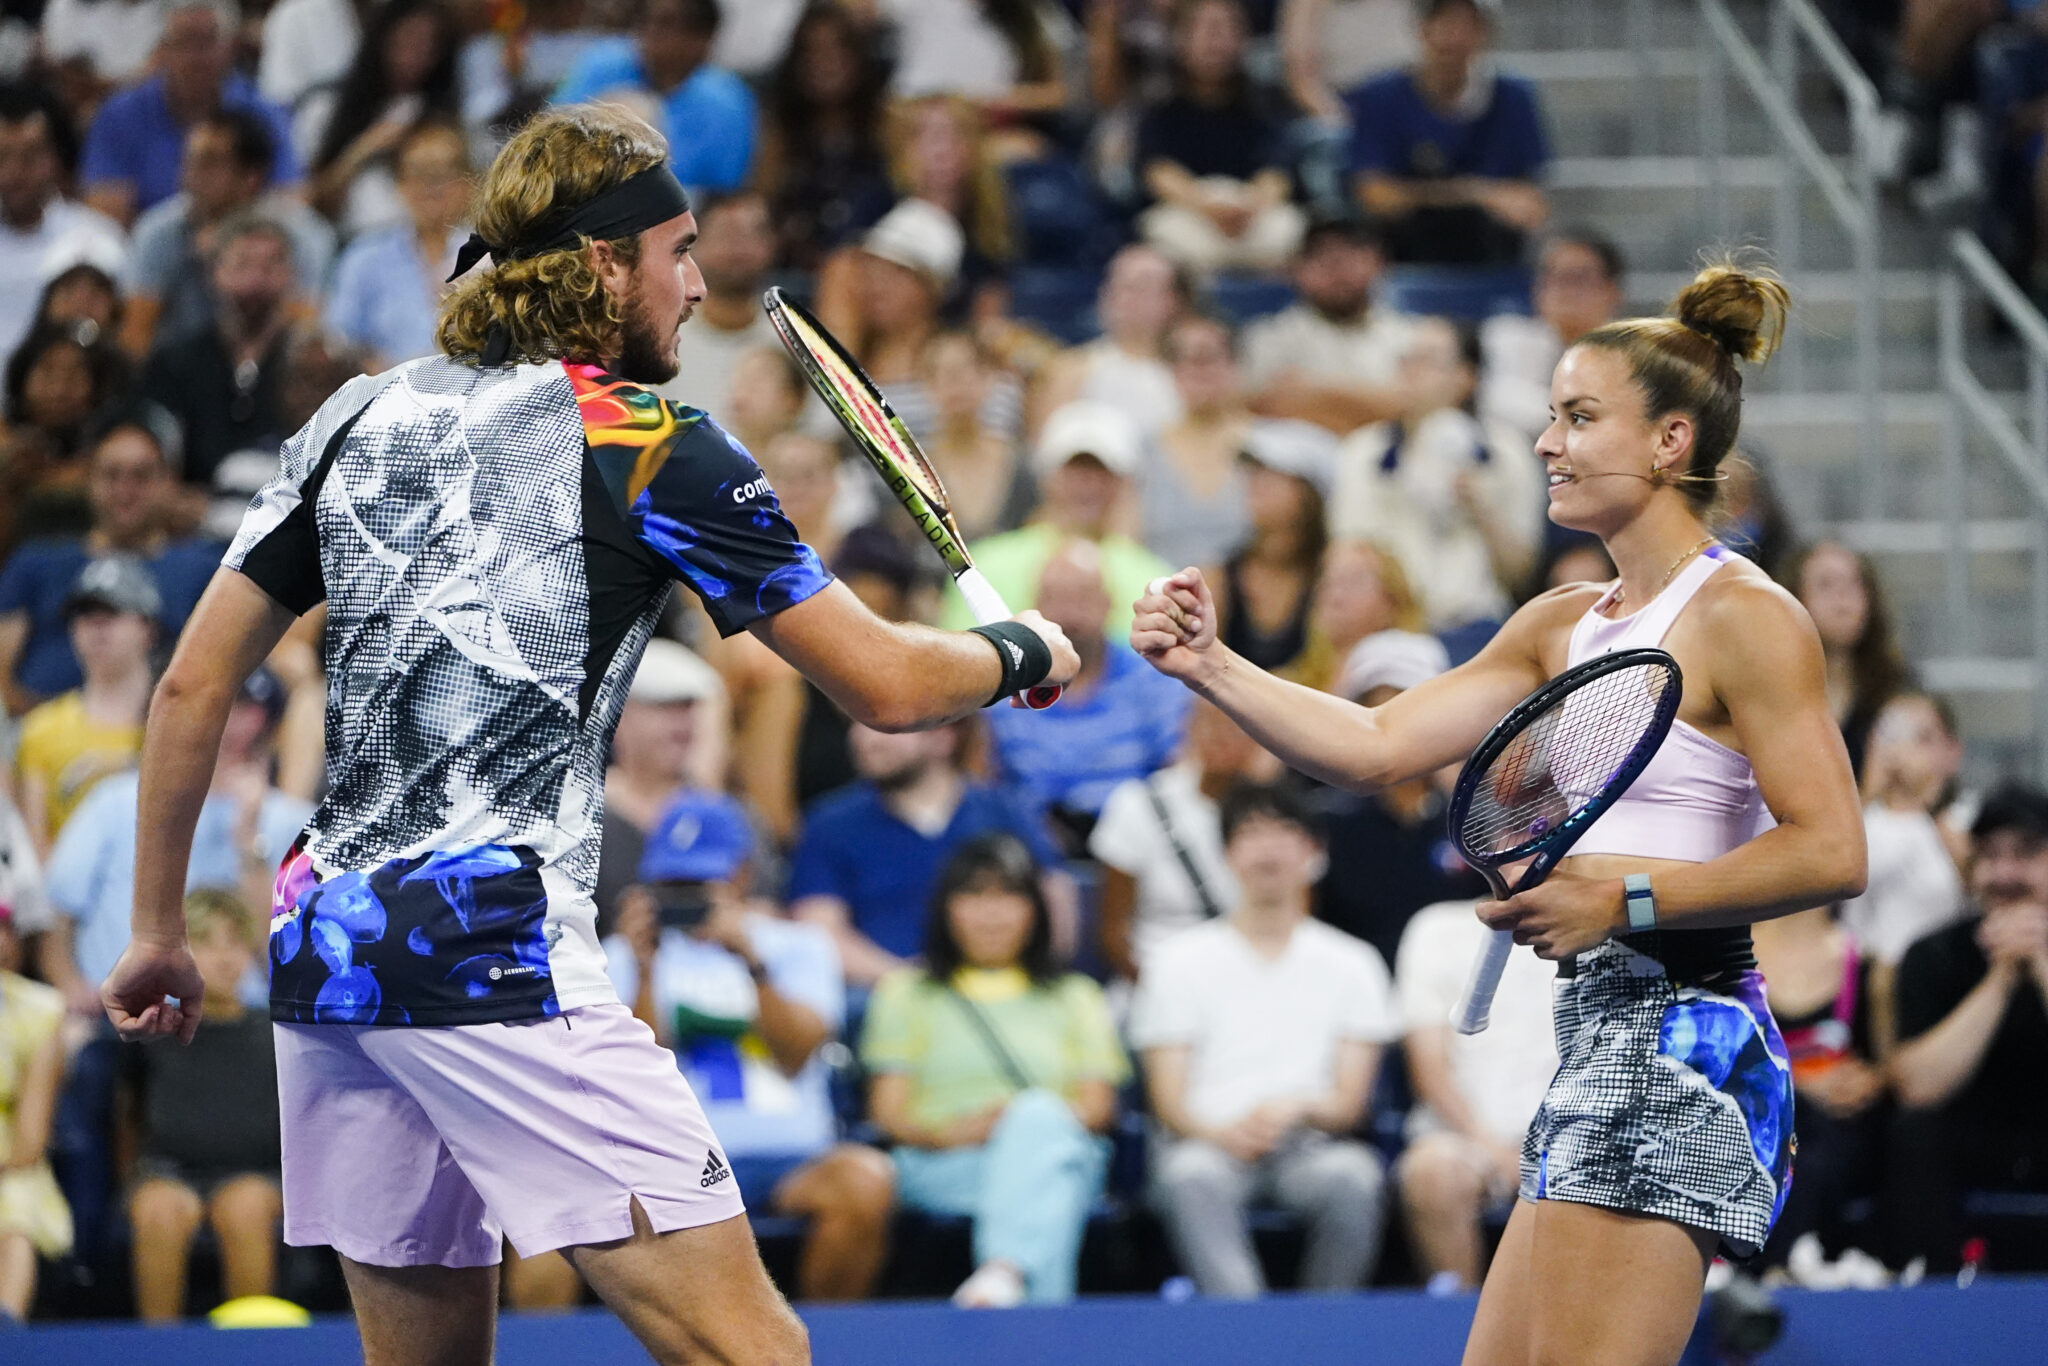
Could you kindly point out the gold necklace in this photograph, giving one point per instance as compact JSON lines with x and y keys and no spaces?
{"x":1665,"y":582}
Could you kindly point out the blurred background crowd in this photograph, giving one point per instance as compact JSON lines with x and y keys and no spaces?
{"x":1098,"y":998}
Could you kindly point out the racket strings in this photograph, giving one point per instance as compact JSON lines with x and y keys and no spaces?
{"x":1562,"y":759}
{"x":855,"y":398}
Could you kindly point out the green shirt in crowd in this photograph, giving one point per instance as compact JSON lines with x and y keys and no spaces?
{"x":1013,"y":562}
{"x":1060,"y":1035}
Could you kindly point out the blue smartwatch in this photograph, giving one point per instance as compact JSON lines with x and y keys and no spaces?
{"x":1642,"y":906}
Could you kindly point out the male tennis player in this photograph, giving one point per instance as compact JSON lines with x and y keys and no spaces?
{"x":493,"y":531}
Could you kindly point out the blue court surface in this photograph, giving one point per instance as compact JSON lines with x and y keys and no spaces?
{"x":1996,"y":1322}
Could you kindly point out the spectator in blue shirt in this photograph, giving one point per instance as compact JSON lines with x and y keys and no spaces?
{"x":871,"y":852}
{"x":1448,"y":152}
{"x":1113,"y":723}
{"x":387,"y":289}
{"x":229,"y":155}
{"x":137,"y":140}
{"x":706,"y":112}
{"x":129,"y":487}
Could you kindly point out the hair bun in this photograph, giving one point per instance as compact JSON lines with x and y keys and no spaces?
{"x":1741,"y":311}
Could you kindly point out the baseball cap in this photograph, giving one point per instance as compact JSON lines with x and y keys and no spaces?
{"x":120,"y":582}
{"x":1089,"y":426}
{"x":1391,"y":659}
{"x":2013,"y":807}
{"x":672,"y":673}
{"x":919,"y":235}
{"x":699,"y":837}
{"x":1286,"y":446}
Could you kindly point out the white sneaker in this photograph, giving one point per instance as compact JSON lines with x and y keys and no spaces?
{"x":995,"y":1285}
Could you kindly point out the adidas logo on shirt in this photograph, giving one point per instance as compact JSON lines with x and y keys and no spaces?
{"x":715,"y":1170}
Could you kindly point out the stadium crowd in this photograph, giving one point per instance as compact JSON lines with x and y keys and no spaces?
{"x":1087,"y":998}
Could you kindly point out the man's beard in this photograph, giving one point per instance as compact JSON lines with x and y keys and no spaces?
{"x":647,"y":352}
{"x":1345,"y":310}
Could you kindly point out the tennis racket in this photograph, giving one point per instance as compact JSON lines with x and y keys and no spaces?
{"x":865,"y":413}
{"x":1548,"y":771}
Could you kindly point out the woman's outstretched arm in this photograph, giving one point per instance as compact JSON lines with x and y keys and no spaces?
{"x":1430,"y":725}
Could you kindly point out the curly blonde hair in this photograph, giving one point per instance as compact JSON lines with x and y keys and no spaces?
{"x":553,"y":306}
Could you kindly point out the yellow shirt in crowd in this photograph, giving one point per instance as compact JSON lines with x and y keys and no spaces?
{"x":68,"y":752}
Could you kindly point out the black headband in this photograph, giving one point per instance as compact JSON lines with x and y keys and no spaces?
{"x":632,"y":206}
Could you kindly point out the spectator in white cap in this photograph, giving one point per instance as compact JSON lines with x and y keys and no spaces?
{"x":1389,"y":662}
{"x":1388,"y":854}
{"x":671,"y":738}
{"x":881,"y":297}
{"x":1264,"y":590}
{"x":1084,"y":460}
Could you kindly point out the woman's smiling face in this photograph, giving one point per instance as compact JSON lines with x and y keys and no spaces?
{"x":1597,"y":429}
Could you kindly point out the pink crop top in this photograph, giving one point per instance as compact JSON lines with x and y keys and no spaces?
{"x":1698,"y":798}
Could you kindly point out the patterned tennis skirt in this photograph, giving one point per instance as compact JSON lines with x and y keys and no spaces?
{"x":1669,"y":1101}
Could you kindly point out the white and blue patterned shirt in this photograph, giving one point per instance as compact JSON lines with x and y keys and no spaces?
{"x":493,"y":546}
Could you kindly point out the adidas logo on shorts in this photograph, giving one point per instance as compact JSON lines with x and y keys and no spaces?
{"x":715,"y":1170}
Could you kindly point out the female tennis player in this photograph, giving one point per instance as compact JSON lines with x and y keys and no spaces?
{"x":1666,"y":1133}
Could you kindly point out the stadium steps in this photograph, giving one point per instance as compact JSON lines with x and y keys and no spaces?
{"x":1625,"y":129}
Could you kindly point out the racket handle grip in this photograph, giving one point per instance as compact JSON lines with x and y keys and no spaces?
{"x":1475,"y":1007}
{"x":989,"y":608}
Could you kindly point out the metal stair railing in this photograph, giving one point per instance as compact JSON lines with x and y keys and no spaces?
{"x":1851,"y":194}
{"x":1970,"y":270}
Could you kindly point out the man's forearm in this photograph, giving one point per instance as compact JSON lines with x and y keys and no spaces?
{"x":791,"y":1029}
{"x":1927,"y":1070}
{"x":893,"y":676}
{"x":179,"y":749}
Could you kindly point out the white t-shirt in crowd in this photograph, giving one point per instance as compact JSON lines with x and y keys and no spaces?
{"x":29,"y":259}
{"x":113,"y":37}
{"x":707,"y":357}
{"x":1261,"y":1029}
{"x":1914,"y":887}
{"x":1303,"y":341}
{"x":308,"y":45}
{"x":948,"y":47}
{"x":1130,"y":838}
{"x":1360,"y":39}
{"x":1502,"y":1070}
{"x":1414,"y":508}
{"x":1519,"y":354}
{"x":1142,"y":386}
{"x":21,"y":873}
{"x":753,"y":37}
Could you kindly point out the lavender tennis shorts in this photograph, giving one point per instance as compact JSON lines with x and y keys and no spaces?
{"x":418,"y":1147}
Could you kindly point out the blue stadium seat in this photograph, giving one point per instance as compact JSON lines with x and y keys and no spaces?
{"x":1247,"y":298}
{"x":1058,"y":216}
{"x":1060,"y":300}
{"x":1454,"y":292}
